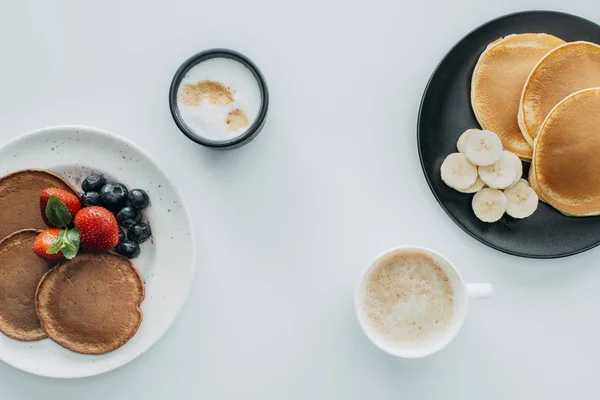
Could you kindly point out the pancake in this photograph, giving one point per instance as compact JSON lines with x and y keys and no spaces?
{"x":20,"y":272}
{"x":533,"y":183}
{"x":497,"y":84}
{"x":566,"y":158}
{"x":91,"y":304}
{"x":20,"y":199}
{"x":565,"y":70}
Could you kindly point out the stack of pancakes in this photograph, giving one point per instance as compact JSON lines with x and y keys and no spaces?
{"x":90,"y":304}
{"x":542,"y":96}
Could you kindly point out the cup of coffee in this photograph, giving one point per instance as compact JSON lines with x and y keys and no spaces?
{"x":412,"y":301}
{"x":219,"y":99}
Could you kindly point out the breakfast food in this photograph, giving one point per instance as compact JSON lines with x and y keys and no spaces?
{"x":219,"y":99}
{"x":95,"y":227}
{"x":517,"y":164}
{"x":90,"y":301}
{"x":44,"y":245}
{"x":497,"y":84}
{"x":462,"y":140}
{"x":93,"y":183}
{"x":137,"y":198}
{"x":90,"y":199}
{"x":126,"y":205}
{"x":68,"y":199}
{"x":550,"y":90}
{"x":128,"y":248}
{"x":564,"y":70}
{"x":502,"y":174}
{"x":20,"y":199}
{"x":483,"y":148}
{"x":139,"y":233}
{"x":58,"y":210}
{"x":489,"y":205}
{"x":486,"y":180}
{"x":457,"y":172}
{"x":566,"y":155}
{"x":91,"y":304}
{"x":98,"y":229}
{"x":408,"y":298}
{"x":113,"y":196}
{"x":533,"y":182}
{"x":129,"y":216}
{"x":20,"y":273}
{"x":521,"y":200}
{"x":474,"y":188}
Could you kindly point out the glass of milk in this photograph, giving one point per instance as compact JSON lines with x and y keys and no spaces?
{"x":219,"y":99}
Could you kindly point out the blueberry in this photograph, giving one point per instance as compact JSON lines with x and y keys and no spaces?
{"x":129,"y":216}
{"x":128,"y":249}
{"x":121,"y":234}
{"x":113,"y":196}
{"x":139,"y":232}
{"x":93,"y":183}
{"x":138,"y":199}
{"x":91,"y":199}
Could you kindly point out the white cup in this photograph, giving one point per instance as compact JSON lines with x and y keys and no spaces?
{"x":462,"y":293}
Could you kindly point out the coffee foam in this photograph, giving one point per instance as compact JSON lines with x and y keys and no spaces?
{"x":219,"y":99}
{"x":408,"y":298}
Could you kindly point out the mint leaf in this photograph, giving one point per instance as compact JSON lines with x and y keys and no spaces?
{"x":67,"y":243}
{"x":73,"y":237}
{"x":57,"y":245}
{"x":69,"y":252}
{"x":57,"y":213}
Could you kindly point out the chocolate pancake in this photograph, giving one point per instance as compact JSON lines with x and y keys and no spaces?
{"x":20,"y":199}
{"x":20,"y":273}
{"x":91,"y":304}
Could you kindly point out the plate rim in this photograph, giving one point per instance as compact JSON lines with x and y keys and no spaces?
{"x":419,"y":121}
{"x":113,"y":136}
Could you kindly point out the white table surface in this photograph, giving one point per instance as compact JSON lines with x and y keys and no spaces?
{"x":286,"y":224}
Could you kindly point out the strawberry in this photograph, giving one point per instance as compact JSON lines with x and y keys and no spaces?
{"x":98,"y":229}
{"x":61,"y":210}
{"x":55,"y":244}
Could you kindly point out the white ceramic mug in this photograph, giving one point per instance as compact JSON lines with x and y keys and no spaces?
{"x":462,"y":293}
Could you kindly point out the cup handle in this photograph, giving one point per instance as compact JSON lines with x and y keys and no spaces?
{"x":479,"y":290}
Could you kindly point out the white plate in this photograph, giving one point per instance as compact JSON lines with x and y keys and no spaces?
{"x":167,"y":261}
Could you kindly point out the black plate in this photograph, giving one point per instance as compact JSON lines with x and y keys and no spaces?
{"x":446,"y":112}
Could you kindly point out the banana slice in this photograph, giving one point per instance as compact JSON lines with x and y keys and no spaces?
{"x":501,"y":174}
{"x":458,"y":172}
{"x":483,"y":148}
{"x":522,"y":200}
{"x":476,"y":187}
{"x":518,"y":164}
{"x":462,"y":140}
{"x":524,"y":181}
{"x":489,"y":205}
